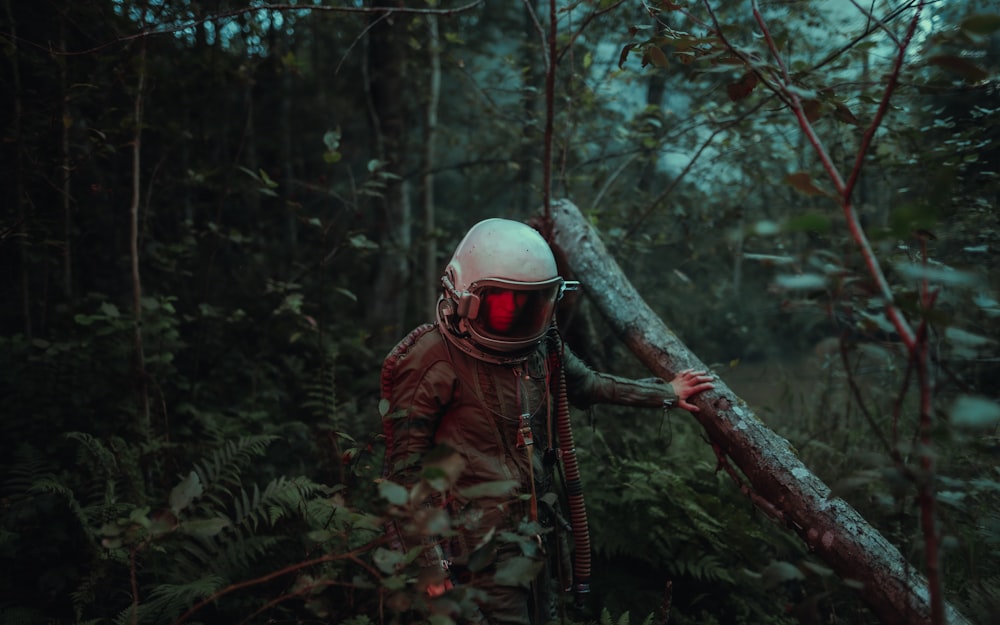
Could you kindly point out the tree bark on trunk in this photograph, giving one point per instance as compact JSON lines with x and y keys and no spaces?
{"x":779,"y":484}
{"x":387,"y":88}
{"x":21,"y":222}
{"x":431,"y":271}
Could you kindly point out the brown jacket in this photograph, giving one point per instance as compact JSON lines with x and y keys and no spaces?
{"x":439,"y":395}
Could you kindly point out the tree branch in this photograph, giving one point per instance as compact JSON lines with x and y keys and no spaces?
{"x":831,"y":528}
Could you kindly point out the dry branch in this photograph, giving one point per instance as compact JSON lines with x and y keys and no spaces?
{"x":780,"y":484}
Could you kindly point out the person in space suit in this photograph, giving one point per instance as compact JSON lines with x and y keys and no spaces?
{"x":484,"y":382}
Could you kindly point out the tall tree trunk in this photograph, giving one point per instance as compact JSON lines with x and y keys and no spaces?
{"x":19,"y":185}
{"x":65,"y":176}
{"x":387,"y":57}
{"x":287,"y":160}
{"x":779,"y":484}
{"x":431,"y":270}
{"x":139,"y":359}
{"x":527,"y":154}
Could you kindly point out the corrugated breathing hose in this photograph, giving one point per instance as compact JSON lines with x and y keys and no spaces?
{"x":574,"y":496}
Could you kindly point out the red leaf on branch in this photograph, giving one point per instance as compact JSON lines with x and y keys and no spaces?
{"x":844,"y":114}
{"x":960,"y":66}
{"x":743,"y":87}
{"x":803,"y":183}
{"x":624,"y":56}
{"x":656,"y":56}
{"x":813,"y":109}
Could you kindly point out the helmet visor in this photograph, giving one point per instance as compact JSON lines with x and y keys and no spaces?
{"x":512,"y":314}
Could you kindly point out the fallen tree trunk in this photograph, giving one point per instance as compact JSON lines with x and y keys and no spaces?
{"x":779,"y":483}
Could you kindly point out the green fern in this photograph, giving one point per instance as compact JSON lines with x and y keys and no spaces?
{"x":27,"y":464}
{"x":224,"y":466}
{"x":168,"y":601}
{"x":93,"y":453}
{"x":248,"y":516}
{"x":624,"y":619}
{"x":321,"y":397}
{"x":706,"y":568}
{"x":983,"y":599}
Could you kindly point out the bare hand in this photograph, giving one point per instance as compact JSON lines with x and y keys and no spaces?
{"x":690,"y":382}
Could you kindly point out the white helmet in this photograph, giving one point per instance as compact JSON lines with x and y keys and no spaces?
{"x":497,"y":261}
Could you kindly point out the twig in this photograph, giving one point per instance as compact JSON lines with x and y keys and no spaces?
{"x":897,"y":318}
{"x":351,"y":555}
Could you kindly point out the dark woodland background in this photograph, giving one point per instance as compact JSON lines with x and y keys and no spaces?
{"x":219,"y":216}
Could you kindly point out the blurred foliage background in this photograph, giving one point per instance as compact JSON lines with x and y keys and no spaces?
{"x":219,"y":216}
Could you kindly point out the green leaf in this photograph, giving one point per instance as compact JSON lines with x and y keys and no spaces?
{"x":811,"y":222}
{"x":110,"y":310}
{"x":184,"y":493}
{"x":800,"y":282}
{"x":779,"y":572}
{"x":331,"y":139}
{"x":393,"y":493}
{"x":387,"y":560}
{"x":395,"y":582}
{"x":984,"y":24}
{"x":987,"y":304}
{"x":968,"y":339}
{"x":140,"y":516}
{"x":361,"y":242}
{"x":436,"y":522}
{"x":766,"y":227}
{"x":974,"y":412}
{"x":952,"y":498}
{"x":205,"y":528}
{"x":270,"y":184}
{"x":483,"y":557}
{"x":347,"y":294}
{"x":518,"y":571}
{"x":940,"y":274}
{"x":500,"y":488}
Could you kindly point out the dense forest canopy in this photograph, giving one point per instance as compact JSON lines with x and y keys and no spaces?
{"x":219,"y":216}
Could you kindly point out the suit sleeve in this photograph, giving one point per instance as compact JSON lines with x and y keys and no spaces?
{"x":586,"y":386}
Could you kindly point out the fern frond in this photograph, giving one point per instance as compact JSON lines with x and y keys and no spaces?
{"x":27,"y":464}
{"x":94,"y":454}
{"x":705,"y":568}
{"x":321,"y":397}
{"x":50,"y":484}
{"x":225,"y":465}
{"x":167,"y":601}
{"x":983,"y":599}
{"x":238,"y":555}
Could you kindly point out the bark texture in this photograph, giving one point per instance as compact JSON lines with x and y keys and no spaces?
{"x":778,"y":482}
